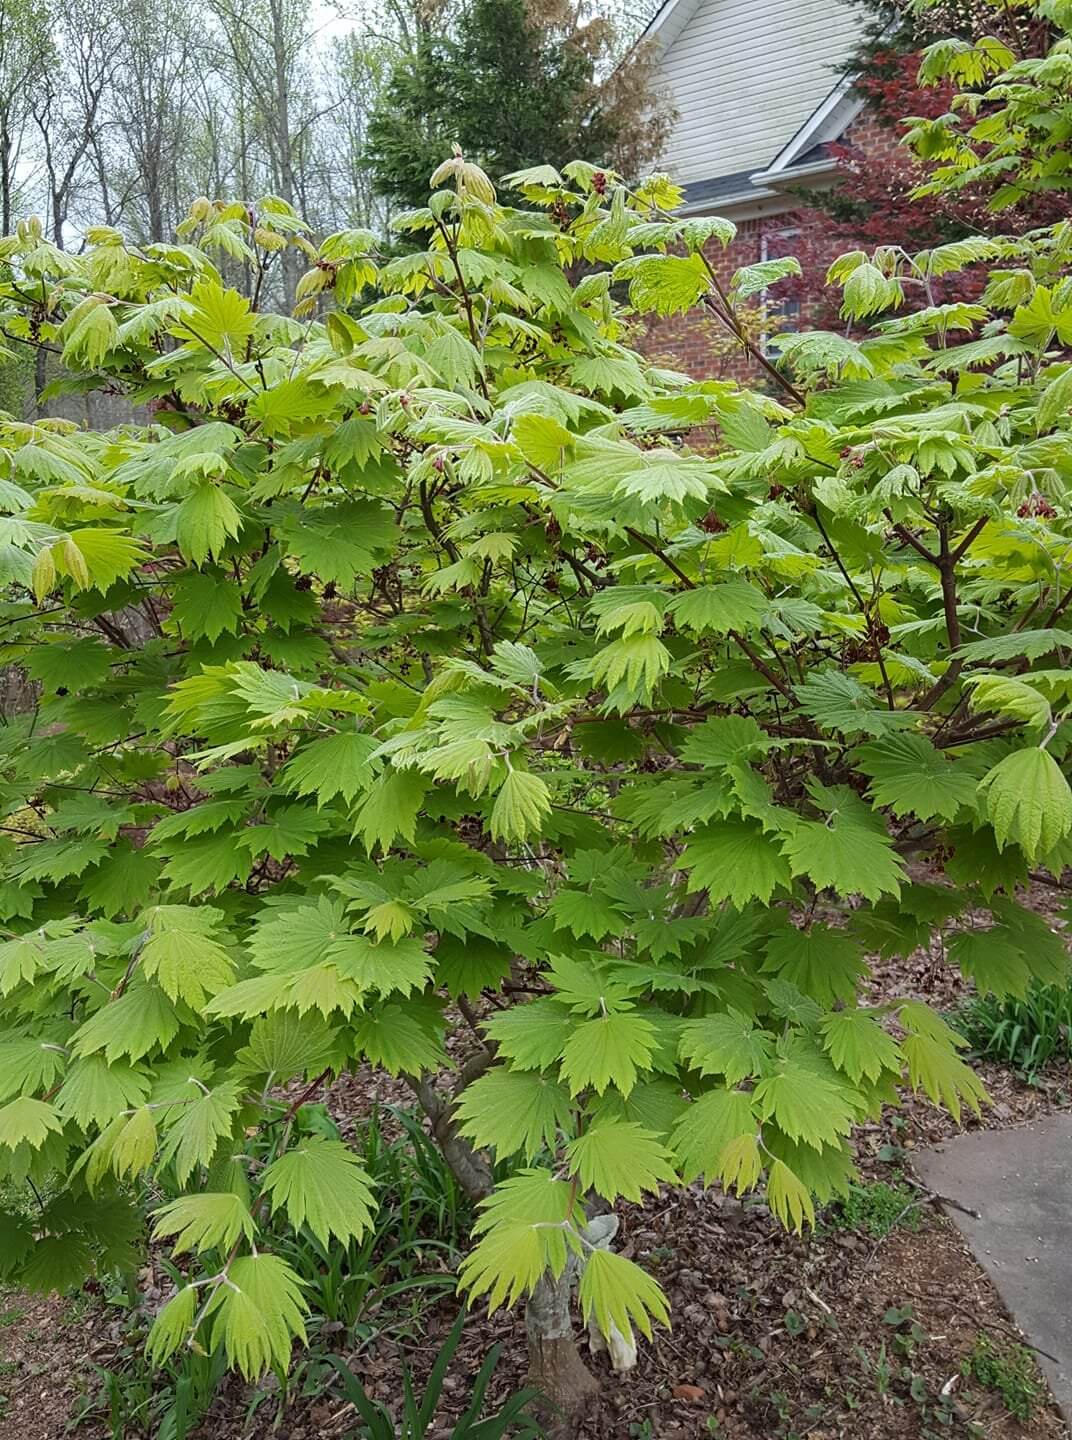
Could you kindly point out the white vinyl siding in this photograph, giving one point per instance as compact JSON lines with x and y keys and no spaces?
{"x":745,"y":75}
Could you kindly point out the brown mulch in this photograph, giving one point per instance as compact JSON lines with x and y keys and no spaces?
{"x":45,"y":1346}
{"x":776,"y":1337}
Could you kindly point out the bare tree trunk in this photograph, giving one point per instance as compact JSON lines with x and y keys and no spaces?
{"x":468,"y":1166}
{"x":555,"y":1365}
{"x":6,"y":148}
{"x":40,"y":381}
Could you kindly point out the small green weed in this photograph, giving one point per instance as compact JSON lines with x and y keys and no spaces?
{"x":1011,"y":1372}
{"x":1024,"y":1034}
{"x":876,"y":1208}
{"x":514,"y":1418}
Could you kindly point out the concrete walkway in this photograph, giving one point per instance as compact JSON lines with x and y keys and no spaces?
{"x":1020,"y":1182}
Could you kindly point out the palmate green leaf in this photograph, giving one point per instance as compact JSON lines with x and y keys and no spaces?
{"x":734,"y":860}
{"x":935,"y":1068}
{"x":788,"y":1197}
{"x":725,"y":740}
{"x":616,"y":1292}
{"x":468,"y":966}
{"x":391,"y":920}
{"x":205,"y":521}
{"x":286,"y":940}
{"x":337,"y":544}
{"x":514,"y":1110}
{"x":609,"y":1050}
{"x":286,"y":830}
{"x":664,"y":284}
{"x":388,"y":967}
{"x":187,"y":965}
{"x":94,"y":1090}
{"x":531,"y":1036}
{"x":521,"y":806}
{"x":58,"y":1263}
{"x":823,"y":963}
{"x":28,"y":1065}
{"x":172,"y":1325}
{"x":208,"y":1221}
{"x":208,"y":864}
{"x":585,"y":913}
{"x":258,"y":1313}
{"x":510,"y":1260}
{"x":975,"y":859}
{"x":1028,"y":801}
{"x":752,"y":279}
{"x":718,"y":609}
{"x":20,"y":960}
{"x":196,"y":1126}
{"x":90,"y":331}
{"x":930,"y":1048}
{"x":1043,"y":945}
{"x":619,"y":1159}
{"x":858,"y":1045}
{"x":17,"y":1242}
{"x":324,"y":988}
{"x":321,"y":1183}
{"x":454,"y":357}
{"x":284,"y":1044}
{"x":26,"y":1121}
{"x":637,"y":662}
{"x":1056,"y":400}
{"x":140,"y":1021}
{"x":705,"y":1129}
{"x":134,"y":1145}
{"x":741,"y":1163}
{"x":672,"y":480}
{"x":217,"y":318}
{"x":1020,"y":644}
{"x":337,"y":765}
{"x":587,"y":987}
{"x":654,"y":1105}
{"x":806,"y":1106}
{"x":993,"y":959}
{"x":73,"y":664}
{"x":1005,"y":695}
{"x":57,"y":859}
{"x":543,"y":441}
{"x":839,"y":702}
{"x":524,"y":1230}
{"x":107,"y":555}
{"x":401,"y":1040}
{"x":844,"y":857}
{"x":122,"y":882}
{"x":206,"y":605}
{"x":288,"y":404}
{"x":826,"y":1174}
{"x":912,"y":777}
{"x":390,"y":808}
{"x":609,"y":375}
{"x":253,"y":997}
{"x":729,"y":1045}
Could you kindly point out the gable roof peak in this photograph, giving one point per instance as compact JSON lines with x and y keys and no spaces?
{"x":669,"y":20}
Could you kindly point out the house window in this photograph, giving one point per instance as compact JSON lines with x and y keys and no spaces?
{"x":780,"y":315}
{"x":783,"y":318}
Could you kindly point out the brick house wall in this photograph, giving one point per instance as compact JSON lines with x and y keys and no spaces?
{"x":696,"y":344}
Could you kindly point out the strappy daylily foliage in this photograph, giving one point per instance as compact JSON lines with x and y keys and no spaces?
{"x":432,"y":665}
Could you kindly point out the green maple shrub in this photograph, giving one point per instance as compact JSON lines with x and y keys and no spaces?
{"x":408,"y":678}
